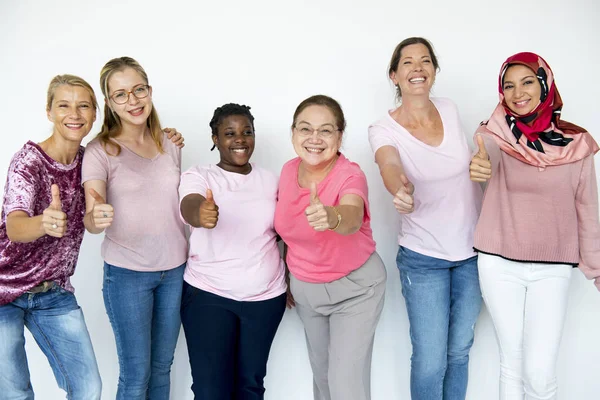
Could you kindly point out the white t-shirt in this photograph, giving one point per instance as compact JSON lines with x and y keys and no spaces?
{"x":239,"y":258}
{"x":447,"y":202}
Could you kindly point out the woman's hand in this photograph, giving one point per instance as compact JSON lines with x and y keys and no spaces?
{"x":209,"y":211}
{"x":481,"y":168}
{"x":403,"y":199}
{"x":102,"y":213}
{"x":54,"y":220}
{"x":176,"y":137}
{"x":318,"y":216}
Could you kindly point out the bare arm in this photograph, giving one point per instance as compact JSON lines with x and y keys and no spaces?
{"x":200,"y":211}
{"x":21,"y":228}
{"x":390,"y":168}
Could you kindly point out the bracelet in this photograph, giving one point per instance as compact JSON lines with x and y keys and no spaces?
{"x":339,"y":219}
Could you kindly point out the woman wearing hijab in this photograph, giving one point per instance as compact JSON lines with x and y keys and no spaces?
{"x":539,"y":219}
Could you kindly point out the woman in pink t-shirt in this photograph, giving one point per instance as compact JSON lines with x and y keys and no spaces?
{"x":423,"y":158}
{"x":337,"y":279}
{"x":539,"y":219}
{"x":234,"y":290}
{"x":131,"y":174}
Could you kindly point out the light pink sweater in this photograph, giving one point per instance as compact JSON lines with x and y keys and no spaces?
{"x":546,"y":215}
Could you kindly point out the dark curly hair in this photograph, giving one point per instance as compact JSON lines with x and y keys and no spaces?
{"x":225,"y":111}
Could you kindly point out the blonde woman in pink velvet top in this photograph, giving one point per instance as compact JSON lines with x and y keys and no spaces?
{"x":539,"y":219}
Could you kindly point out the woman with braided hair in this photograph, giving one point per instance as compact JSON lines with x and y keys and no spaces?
{"x":234,"y":291}
{"x":539,"y":219}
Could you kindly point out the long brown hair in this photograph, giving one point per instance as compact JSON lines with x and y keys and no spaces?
{"x":112,"y":126}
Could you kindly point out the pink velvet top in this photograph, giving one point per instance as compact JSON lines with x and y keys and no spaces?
{"x":25,"y":265}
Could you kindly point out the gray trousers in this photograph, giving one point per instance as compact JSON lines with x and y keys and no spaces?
{"x":339,"y":320}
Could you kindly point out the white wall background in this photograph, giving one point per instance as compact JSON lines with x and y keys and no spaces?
{"x":271,"y":55}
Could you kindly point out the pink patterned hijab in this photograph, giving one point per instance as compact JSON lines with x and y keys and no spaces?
{"x":539,"y":138}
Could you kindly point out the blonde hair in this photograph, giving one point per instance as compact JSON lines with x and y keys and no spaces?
{"x":70,"y":80}
{"x":112,"y":126}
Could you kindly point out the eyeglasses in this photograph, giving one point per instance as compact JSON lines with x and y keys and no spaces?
{"x":122,"y":96}
{"x":323,"y":133}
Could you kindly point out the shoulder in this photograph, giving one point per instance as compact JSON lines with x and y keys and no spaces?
{"x":349,"y":168}
{"x":444,"y":105}
{"x":291,"y":166}
{"x":197,"y":170}
{"x":28,"y":157}
{"x":264,"y":173}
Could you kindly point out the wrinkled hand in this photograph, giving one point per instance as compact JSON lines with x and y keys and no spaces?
{"x":316,"y":213}
{"x":54,"y":220}
{"x":102,"y":213}
{"x":404,"y":200}
{"x":481,"y":168}
{"x":176,"y":137}
{"x":209,"y":211}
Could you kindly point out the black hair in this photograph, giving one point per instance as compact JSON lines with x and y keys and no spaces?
{"x":225,"y":111}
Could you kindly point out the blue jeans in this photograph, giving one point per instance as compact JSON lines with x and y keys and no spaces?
{"x":228,"y":343}
{"x":143,"y":308}
{"x":56,"y":322}
{"x":443,"y":301}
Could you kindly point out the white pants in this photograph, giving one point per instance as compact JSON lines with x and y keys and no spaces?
{"x":527,"y":303}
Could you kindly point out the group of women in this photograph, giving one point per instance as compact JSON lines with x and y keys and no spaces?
{"x":518,"y":243}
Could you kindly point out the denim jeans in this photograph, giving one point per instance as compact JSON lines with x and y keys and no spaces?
{"x":56,"y":322}
{"x":228,"y":343}
{"x":143,"y":308}
{"x":443,"y":301}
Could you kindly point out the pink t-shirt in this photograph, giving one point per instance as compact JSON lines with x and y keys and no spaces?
{"x":239,"y":258}
{"x":447,"y":202}
{"x":318,"y":257}
{"x":146,"y":233}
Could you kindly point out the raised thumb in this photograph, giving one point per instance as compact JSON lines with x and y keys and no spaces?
{"x":314,"y":197}
{"x":482,"y":150}
{"x":55,"y":204}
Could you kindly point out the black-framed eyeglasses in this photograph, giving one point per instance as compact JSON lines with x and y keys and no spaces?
{"x":122,"y":96}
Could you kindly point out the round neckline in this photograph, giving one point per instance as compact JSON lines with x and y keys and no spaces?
{"x":327,"y":177}
{"x":56,"y":164}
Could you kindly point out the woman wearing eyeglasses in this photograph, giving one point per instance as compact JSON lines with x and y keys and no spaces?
{"x":131,"y":176}
{"x":336,"y":277}
{"x":423,"y":158}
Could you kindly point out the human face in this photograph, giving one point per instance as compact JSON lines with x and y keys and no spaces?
{"x":415,"y":73}
{"x":316,"y":150}
{"x":72,"y":113}
{"x":522,"y":90}
{"x":135,"y":111}
{"x":235,"y":142}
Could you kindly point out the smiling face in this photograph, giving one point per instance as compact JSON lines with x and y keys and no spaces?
{"x":235,"y":142}
{"x":322,"y":144}
{"x":415,"y":73}
{"x":72,"y":112}
{"x":522,"y":90}
{"x":135,"y":111}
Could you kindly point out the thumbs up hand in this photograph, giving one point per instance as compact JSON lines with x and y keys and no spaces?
{"x":54,"y":220}
{"x":102,"y":213}
{"x":209,"y":211}
{"x":481,"y":167}
{"x":316,"y":213}
{"x":404,"y":200}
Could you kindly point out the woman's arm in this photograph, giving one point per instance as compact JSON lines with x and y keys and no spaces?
{"x":586,"y":204}
{"x":21,"y":228}
{"x":289,"y":301}
{"x":346,"y":218}
{"x":98,"y":214}
{"x":200,"y":212}
{"x":394,"y":178}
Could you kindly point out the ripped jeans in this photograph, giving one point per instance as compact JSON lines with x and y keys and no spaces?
{"x":443,"y":301}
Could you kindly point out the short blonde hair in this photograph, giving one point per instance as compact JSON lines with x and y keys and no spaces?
{"x":70,"y":80}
